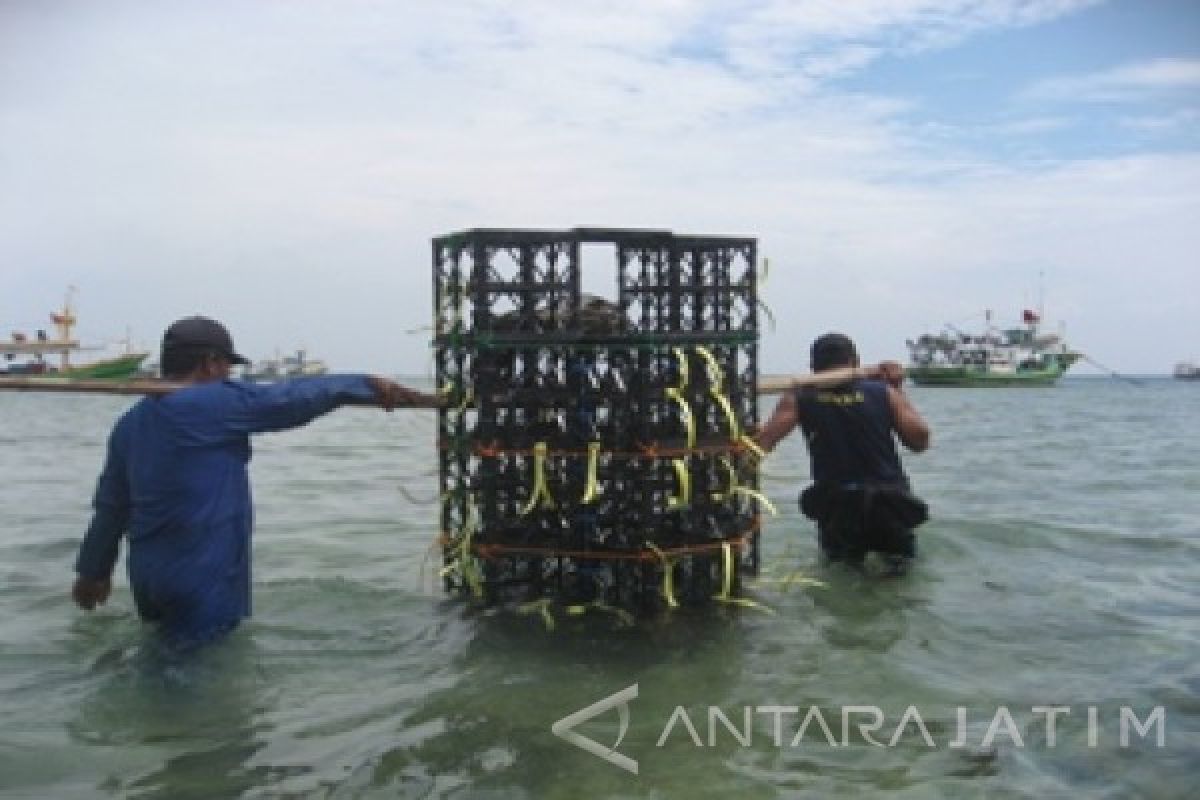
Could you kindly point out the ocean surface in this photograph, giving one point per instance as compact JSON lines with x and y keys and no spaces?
{"x":1046,"y":645}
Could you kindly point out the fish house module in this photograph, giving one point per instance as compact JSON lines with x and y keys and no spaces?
{"x":596,"y":449}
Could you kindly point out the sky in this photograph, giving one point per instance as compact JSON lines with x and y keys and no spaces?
{"x":282,"y":165}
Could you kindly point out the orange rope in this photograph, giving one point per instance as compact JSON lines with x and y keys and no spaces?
{"x":644,"y":451}
{"x":492,"y":551}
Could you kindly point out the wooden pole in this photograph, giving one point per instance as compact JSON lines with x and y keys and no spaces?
{"x":816,"y":380}
{"x":85,"y":385}
{"x":150,"y":386}
{"x":146,"y":386}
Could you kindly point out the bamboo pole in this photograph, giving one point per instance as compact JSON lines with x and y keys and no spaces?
{"x":86,"y":385}
{"x":146,"y":386}
{"x":150,"y":386}
{"x":815,"y":380}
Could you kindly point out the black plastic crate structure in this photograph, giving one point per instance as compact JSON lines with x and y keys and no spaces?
{"x":591,"y":450}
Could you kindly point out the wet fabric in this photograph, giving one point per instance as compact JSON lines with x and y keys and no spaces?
{"x":854,"y":520}
{"x":175,"y":480}
{"x":848,"y":430}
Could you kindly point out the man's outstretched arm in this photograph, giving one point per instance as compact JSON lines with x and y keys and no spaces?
{"x":390,"y":395}
{"x":295,"y":402}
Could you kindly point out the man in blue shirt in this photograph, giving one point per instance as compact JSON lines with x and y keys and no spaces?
{"x":860,"y":497}
{"x":175,"y":479}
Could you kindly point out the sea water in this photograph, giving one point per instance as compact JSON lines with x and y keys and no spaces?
{"x":1046,"y":645}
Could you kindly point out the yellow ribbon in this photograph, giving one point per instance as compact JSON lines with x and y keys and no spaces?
{"x":676,"y":393}
{"x":759,"y":496}
{"x":681,"y":358}
{"x":684,"y":480}
{"x":735,"y":431}
{"x":449,"y":388}
{"x":466,"y":565}
{"x":626,"y":619}
{"x":591,"y":491}
{"x":747,"y":441}
{"x":726,"y":594}
{"x":726,"y":571}
{"x":798,"y":578}
{"x":716,"y":381}
{"x":715,"y":378}
{"x":770,"y":314}
{"x":540,"y":495}
{"x":668,"y":587}
{"x":685,"y":411}
{"x":541,"y":606}
{"x":731,"y":473}
{"x":793,"y":578}
{"x":735,"y":488}
{"x":762,"y":281}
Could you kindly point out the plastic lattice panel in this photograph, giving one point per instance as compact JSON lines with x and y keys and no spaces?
{"x":592,"y":449}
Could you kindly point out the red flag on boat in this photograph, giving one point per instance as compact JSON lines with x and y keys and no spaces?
{"x":1030,"y":317}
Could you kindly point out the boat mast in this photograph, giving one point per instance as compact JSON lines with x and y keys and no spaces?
{"x":1041,"y":294}
{"x":64,"y":321}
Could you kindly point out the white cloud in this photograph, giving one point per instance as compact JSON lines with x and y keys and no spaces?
{"x":781,"y":35}
{"x":1130,"y":82}
{"x":1184,"y":120}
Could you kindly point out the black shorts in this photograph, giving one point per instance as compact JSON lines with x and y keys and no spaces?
{"x":852,"y":522}
{"x":851,"y":543}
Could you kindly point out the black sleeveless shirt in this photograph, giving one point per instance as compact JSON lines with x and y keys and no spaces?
{"x":849,"y":434}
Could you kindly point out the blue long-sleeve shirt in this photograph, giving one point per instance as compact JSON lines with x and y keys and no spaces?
{"x":175,"y":479}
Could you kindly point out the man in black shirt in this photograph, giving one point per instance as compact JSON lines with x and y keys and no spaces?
{"x":860,"y":496}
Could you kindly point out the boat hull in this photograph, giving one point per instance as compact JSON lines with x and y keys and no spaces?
{"x":1187,"y":372}
{"x":112,"y":369}
{"x":974,"y":377}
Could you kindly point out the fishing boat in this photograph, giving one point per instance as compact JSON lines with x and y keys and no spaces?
{"x":35,"y":353}
{"x":280,"y":368}
{"x":1187,"y":371}
{"x":1017,"y":356}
